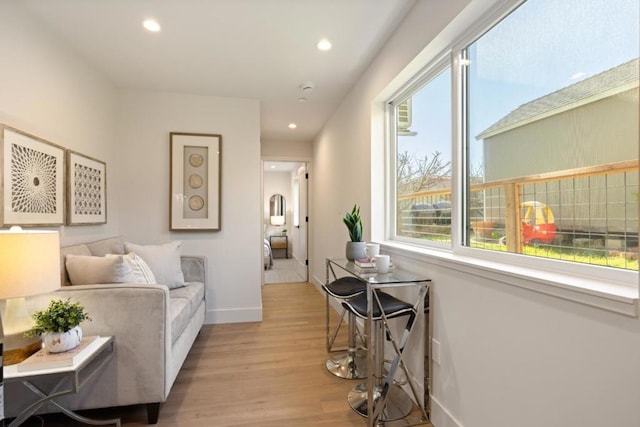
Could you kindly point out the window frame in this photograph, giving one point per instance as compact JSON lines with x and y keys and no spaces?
{"x":426,"y":75}
{"x":605,"y":287}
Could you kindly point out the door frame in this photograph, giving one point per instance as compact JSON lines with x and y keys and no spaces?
{"x":307,"y":162}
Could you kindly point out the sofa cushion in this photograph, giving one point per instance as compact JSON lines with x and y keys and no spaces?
{"x":139,"y":271}
{"x":73,"y":250}
{"x":112,"y":245}
{"x":92,"y":270}
{"x":184,"y":303}
{"x":164,"y":261}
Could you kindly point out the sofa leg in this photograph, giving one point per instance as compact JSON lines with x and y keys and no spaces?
{"x":153,"y":411}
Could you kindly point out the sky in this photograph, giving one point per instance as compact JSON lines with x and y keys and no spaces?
{"x":543,"y":46}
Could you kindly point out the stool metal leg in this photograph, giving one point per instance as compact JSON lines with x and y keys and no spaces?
{"x":331,"y":339}
{"x":353,"y":365}
{"x":396,"y":402}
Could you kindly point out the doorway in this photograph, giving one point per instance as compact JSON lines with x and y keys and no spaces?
{"x":285,"y":221}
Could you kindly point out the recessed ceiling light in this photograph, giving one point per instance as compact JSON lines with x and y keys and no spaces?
{"x":273,"y":166}
{"x":324,"y":44}
{"x":151,"y":25}
{"x":292,"y":126}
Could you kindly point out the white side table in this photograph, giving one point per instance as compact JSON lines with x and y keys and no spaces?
{"x":68,"y":380}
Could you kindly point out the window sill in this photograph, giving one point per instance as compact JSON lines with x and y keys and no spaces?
{"x":616,"y":297}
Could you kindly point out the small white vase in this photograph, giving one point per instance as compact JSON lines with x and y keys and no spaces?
{"x":355,"y":250}
{"x":57,"y":342}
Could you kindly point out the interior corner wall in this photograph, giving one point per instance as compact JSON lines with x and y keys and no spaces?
{"x":46,"y":90}
{"x":234,"y":254}
{"x":508,"y":356}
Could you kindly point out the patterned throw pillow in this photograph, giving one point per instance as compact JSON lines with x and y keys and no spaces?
{"x":139,"y":270}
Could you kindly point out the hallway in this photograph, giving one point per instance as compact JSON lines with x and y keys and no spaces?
{"x":283,"y":271}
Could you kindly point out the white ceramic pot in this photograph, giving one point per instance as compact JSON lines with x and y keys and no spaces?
{"x":57,"y":342}
{"x":355,"y":250}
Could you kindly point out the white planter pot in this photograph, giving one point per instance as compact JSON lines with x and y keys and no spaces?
{"x":355,"y":250}
{"x":57,"y":342}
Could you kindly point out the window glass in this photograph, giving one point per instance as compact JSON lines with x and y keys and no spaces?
{"x":552,"y":133}
{"x":423,"y":162}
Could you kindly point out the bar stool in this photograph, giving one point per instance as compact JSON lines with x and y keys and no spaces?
{"x":391,"y":402}
{"x":353,"y":364}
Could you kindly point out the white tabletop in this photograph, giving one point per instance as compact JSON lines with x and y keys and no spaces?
{"x":11,"y":371}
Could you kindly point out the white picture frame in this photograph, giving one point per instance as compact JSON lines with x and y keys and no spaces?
{"x":86,"y":190}
{"x":32,"y":180}
{"x":195,"y":165}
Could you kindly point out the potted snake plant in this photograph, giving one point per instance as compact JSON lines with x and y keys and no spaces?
{"x":355,"y":247}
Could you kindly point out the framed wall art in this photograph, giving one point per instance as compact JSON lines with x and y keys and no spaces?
{"x":86,"y":190}
{"x":195,"y":181}
{"x":32,"y":180}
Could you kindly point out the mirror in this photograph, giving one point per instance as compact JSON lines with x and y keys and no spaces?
{"x":277,"y":209}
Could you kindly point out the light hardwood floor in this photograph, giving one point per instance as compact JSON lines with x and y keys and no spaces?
{"x":268,"y":374}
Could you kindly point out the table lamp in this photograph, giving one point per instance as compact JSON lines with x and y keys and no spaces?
{"x":29,"y":265}
{"x":277,"y":220}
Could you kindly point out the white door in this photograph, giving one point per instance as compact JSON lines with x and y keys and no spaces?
{"x":303,"y":223}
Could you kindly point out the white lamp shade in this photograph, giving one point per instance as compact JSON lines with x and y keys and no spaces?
{"x":277,"y":220}
{"x":29,"y":262}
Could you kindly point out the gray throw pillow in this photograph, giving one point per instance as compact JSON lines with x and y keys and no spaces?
{"x":163,"y":260}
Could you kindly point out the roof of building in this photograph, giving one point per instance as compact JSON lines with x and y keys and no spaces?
{"x":564,"y":99}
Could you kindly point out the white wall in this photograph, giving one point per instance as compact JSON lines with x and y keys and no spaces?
{"x":286,"y":150}
{"x":47,"y":91}
{"x":509,"y":356}
{"x":235,"y":253}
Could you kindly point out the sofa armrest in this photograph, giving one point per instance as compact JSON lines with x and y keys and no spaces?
{"x":137,"y":316}
{"x":194,"y":268}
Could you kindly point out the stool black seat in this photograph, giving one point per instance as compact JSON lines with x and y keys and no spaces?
{"x":353,"y":364}
{"x":392,"y":306}
{"x":345,"y":287}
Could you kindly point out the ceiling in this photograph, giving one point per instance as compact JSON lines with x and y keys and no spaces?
{"x":259,"y":49}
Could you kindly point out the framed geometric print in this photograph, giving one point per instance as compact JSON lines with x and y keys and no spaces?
{"x":32,"y":180}
{"x":87,"y":190}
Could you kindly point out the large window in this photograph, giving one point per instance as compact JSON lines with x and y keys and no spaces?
{"x":549,"y":131}
{"x":423,"y":159}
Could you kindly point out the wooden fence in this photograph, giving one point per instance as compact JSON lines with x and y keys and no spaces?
{"x":597,"y":200}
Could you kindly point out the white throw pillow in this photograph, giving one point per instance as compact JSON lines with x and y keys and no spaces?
{"x":92,"y":270}
{"x":139,"y":270}
{"x":163,"y":260}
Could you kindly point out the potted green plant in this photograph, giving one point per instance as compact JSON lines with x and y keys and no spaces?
{"x":284,"y":231}
{"x":356,"y":247}
{"x":59,"y":325}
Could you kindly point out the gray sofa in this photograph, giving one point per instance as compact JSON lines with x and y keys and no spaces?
{"x":153,"y":327}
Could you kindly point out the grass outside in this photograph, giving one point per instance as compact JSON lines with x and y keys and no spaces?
{"x":624,"y":260}
{"x":564,"y":253}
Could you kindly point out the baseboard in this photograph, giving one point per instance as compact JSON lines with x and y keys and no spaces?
{"x":440,"y":416}
{"x":317,"y":283}
{"x":236,"y":315}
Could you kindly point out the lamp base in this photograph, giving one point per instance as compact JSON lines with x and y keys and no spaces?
{"x":17,"y":355}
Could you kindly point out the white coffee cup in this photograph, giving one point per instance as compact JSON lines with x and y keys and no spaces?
{"x":382,"y":263}
{"x":373,"y":250}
